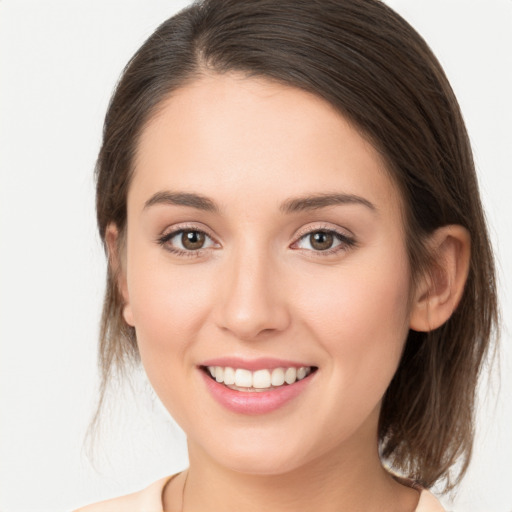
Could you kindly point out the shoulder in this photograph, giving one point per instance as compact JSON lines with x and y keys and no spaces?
{"x":149,"y":500}
{"x":428,"y":503}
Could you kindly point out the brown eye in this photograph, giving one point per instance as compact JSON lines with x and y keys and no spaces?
{"x":192,"y":240}
{"x":321,"y":240}
{"x":324,"y":241}
{"x":187,"y":242}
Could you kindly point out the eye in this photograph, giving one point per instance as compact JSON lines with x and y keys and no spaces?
{"x":324,"y":240}
{"x":321,"y":240}
{"x":186,"y":241}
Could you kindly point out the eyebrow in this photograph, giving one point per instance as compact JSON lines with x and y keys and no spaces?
{"x":318,"y":201}
{"x":182,"y":199}
{"x":293,"y":205}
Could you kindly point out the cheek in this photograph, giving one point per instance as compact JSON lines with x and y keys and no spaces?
{"x":169,"y":305}
{"x":359,"y":298}
{"x":361,"y":318}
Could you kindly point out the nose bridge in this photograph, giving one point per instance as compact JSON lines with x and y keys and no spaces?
{"x":252,"y":301}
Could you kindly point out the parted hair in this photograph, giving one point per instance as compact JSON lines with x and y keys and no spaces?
{"x":377,"y":71}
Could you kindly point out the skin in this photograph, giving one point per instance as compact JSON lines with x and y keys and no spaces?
{"x":259,"y":288}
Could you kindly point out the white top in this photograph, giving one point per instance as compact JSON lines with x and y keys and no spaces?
{"x":150,"y":500}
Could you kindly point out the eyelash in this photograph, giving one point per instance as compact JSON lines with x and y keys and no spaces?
{"x":165,"y":239}
{"x":346,"y":242}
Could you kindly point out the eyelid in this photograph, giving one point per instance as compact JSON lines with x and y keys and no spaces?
{"x":186,"y":226}
{"x":171,"y":231}
{"x":331,"y":228}
{"x":344,"y":236}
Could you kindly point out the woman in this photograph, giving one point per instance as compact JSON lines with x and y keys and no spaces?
{"x":297,"y":255}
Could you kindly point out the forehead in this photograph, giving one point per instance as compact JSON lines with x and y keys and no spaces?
{"x":238,"y":138}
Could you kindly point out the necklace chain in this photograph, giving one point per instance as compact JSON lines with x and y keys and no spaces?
{"x":183,"y":491}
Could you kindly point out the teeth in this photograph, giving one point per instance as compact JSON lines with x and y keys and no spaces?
{"x":229,"y":376}
{"x":301,"y":373}
{"x":261,"y":379}
{"x":237,"y":378}
{"x":290,"y":375}
{"x":277,"y":377}
{"x":243,"y":378}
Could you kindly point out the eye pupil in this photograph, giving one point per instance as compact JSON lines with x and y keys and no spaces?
{"x":192,"y":240}
{"x":321,"y":240}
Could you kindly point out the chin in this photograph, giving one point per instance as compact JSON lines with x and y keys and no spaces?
{"x":254,"y":464}
{"x":259,"y":455}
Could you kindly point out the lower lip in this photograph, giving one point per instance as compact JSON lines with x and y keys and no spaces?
{"x":256,"y":402}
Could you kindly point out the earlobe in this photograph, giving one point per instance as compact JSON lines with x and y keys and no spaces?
{"x":441,"y":287}
{"x":117,"y":269}
{"x":127,"y":315}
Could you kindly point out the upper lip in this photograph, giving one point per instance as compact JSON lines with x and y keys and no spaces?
{"x":261,"y":363}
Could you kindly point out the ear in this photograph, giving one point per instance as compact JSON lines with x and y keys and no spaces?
{"x":439,"y":291}
{"x":115,"y":247}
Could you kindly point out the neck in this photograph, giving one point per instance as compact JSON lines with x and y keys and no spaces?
{"x":336,"y":481}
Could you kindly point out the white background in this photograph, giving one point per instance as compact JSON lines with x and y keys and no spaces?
{"x":59,"y":63}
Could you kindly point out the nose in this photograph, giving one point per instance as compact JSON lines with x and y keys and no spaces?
{"x":252,"y":302}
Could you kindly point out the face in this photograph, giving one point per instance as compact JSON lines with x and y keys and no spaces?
{"x":265,"y":243}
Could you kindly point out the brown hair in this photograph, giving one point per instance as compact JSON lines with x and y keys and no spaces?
{"x":377,"y":71}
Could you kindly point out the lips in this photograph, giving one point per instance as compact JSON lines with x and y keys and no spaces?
{"x":255,"y":386}
{"x":246,"y":380}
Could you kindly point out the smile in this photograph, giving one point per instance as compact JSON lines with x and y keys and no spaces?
{"x":244,"y":380}
{"x":269,"y":385}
